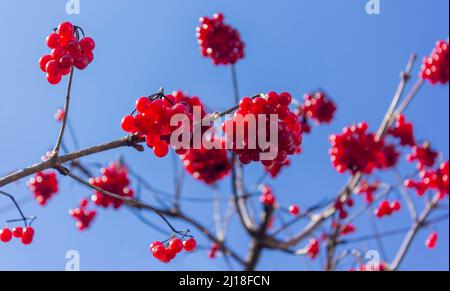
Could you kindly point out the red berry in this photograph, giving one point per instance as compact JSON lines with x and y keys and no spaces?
{"x":142,"y":104}
{"x":66,"y":62}
{"x":294,"y":210}
{"x":5,"y":235}
{"x":65,"y":29}
{"x":313,"y":248}
{"x":27,"y":236}
{"x":81,"y":63}
{"x":59,"y":115}
{"x":58,"y":53}
{"x":52,"y":68}
{"x":190,"y":245}
{"x":431,"y":241}
{"x":17,"y":232}
{"x":176,"y":245}
{"x":44,"y":61}
{"x":54,"y":79}
{"x":87,"y":44}
{"x":128,"y":124}
{"x":74,"y":48}
{"x":161,"y":149}
{"x":53,"y":41}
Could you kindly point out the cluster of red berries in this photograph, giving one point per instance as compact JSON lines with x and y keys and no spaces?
{"x":152,"y":120}
{"x":435,"y":68}
{"x":437,"y":180}
{"x":313,"y":249}
{"x":275,"y":169}
{"x":356,"y":150}
{"x":318,"y":107}
{"x":219,"y":41}
{"x":165,"y":253}
{"x":247,"y":146}
{"x":404,"y":131}
{"x":340,"y":206}
{"x":83,"y":216}
{"x":114,"y":179}
{"x":26,"y":234}
{"x":424,"y":155}
{"x":387,"y":209}
{"x":368,"y":189}
{"x":432,"y":240}
{"x":208,"y":166}
{"x":67,"y":52}
{"x":268,"y":197}
{"x":44,"y":186}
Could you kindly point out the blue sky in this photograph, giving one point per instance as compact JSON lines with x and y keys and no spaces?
{"x":292,"y":45}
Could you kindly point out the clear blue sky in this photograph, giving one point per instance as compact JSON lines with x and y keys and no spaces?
{"x":292,"y":45}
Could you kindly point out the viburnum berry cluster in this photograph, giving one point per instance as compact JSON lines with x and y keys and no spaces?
{"x":208,"y":166}
{"x":424,"y":155}
{"x":403,"y":130}
{"x":247,"y":146}
{"x":219,"y":41}
{"x":82,"y":215}
{"x":114,"y":179}
{"x":153,"y":115}
{"x":25,"y":235}
{"x":356,"y":150}
{"x":44,"y":186}
{"x":437,"y":180}
{"x":387,"y":209}
{"x":68,"y":51}
{"x":432,"y":240}
{"x":166,"y":252}
{"x":191,"y":103}
{"x":435,"y":68}
{"x":318,"y":107}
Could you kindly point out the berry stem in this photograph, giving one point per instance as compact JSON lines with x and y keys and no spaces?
{"x":57,"y":147}
{"x":24,"y":219}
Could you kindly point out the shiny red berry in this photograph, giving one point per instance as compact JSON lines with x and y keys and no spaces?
{"x":5,"y":235}
{"x":190,"y":245}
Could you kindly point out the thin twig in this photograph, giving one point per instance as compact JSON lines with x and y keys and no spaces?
{"x":57,"y":147}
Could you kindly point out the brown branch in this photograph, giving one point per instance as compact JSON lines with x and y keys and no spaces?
{"x":317,"y":220}
{"x":133,"y":203}
{"x":412,"y":233}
